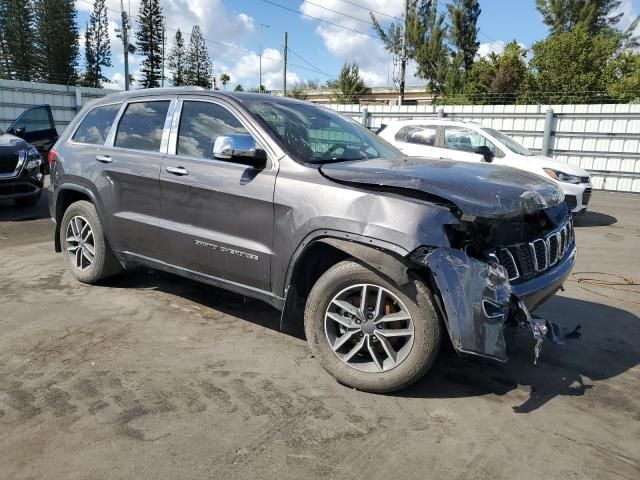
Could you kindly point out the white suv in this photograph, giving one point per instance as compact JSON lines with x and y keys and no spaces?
{"x":471,"y":142}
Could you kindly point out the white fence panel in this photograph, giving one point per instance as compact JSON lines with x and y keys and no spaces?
{"x":602,"y":139}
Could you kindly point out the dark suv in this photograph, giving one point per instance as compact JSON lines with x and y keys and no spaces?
{"x":22,"y":149}
{"x":293,"y":204}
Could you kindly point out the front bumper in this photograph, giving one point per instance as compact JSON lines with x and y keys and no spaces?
{"x":21,"y":186}
{"x":478,"y":299}
{"x":577,"y":196}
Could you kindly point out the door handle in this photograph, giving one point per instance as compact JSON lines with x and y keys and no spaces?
{"x":104,"y":158}
{"x":178,"y":170}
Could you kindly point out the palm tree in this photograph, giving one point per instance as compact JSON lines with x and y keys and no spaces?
{"x":224,"y":78}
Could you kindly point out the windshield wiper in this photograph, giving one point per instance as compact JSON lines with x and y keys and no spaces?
{"x":336,"y":160}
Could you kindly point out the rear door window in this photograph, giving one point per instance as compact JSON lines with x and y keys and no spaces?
{"x":95,"y":126}
{"x":141,"y":125}
{"x":418,"y":134}
{"x":200,"y":124}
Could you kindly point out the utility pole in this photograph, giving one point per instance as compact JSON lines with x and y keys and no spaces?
{"x":284,"y":72}
{"x":124,"y":35}
{"x":260,"y":55}
{"x":403,"y":60}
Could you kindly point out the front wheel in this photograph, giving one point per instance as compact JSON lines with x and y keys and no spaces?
{"x":369,"y":333}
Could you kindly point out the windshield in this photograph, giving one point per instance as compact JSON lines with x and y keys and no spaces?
{"x":313,"y":134}
{"x":508,"y":142}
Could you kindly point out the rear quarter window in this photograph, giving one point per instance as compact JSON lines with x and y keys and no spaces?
{"x":95,"y":126}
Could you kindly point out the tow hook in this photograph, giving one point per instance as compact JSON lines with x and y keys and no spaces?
{"x":541,"y":329}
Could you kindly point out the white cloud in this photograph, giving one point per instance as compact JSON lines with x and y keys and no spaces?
{"x":246,"y":70}
{"x":488,"y":48}
{"x":629,"y":14}
{"x":376,"y":65}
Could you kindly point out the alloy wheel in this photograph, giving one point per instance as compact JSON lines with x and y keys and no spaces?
{"x":369,"y":328}
{"x":80,"y":242}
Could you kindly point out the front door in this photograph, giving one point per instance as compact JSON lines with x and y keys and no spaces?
{"x":460,"y":143}
{"x":217,"y":214}
{"x":36,"y":126}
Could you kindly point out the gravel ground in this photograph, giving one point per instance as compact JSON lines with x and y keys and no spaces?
{"x":155,"y":377}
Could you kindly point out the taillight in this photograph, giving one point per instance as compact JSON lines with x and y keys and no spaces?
{"x":51,"y":158}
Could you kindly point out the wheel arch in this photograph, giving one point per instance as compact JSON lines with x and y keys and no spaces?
{"x":315,"y":257}
{"x":66,"y":195}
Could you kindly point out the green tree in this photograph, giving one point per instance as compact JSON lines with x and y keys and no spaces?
{"x":56,"y":41}
{"x":238,"y":88}
{"x":178,"y":60}
{"x":150,"y":38}
{"x":97,"y":48}
{"x":498,"y":79}
{"x":570,"y":67}
{"x":426,"y":41}
{"x":348,"y":87}
{"x":464,"y":29}
{"x":224,"y":79}
{"x":18,"y":51}
{"x":199,"y":68}
{"x":592,"y":16}
{"x":5,"y":64}
{"x":624,"y":77}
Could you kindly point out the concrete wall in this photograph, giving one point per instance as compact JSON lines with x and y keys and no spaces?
{"x":602,"y":139}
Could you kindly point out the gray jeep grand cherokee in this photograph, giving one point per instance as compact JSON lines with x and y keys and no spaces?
{"x":293,"y":204}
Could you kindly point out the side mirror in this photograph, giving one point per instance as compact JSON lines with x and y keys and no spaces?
{"x":486,"y":153}
{"x":241,"y":148}
{"x":19,"y":132}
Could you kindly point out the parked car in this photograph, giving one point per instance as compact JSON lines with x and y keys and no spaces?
{"x":36,"y":126}
{"x":293,"y":204}
{"x":21,"y":177}
{"x":471,"y":142}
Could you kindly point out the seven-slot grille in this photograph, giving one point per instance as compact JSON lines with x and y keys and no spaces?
{"x":527,"y":259}
{"x":8,"y":163}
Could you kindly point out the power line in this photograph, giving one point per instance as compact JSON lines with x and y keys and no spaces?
{"x":371,"y":10}
{"x":309,"y":63}
{"x":319,"y":19}
{"x":339,"y":13}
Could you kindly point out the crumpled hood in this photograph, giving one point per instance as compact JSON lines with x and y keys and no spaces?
{"x":477,"y":189}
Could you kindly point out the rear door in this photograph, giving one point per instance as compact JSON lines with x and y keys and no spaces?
{"x":217,"y":215}
{"x":36,"y":126}
{"x":126,"y":174}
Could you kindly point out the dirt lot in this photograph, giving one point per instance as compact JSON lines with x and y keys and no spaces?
{"x":156,"y":377}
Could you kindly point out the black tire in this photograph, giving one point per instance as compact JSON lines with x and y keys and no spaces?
{"x":105,"y":264}
{"x":417,"y":299}
{"x":28,"y":201}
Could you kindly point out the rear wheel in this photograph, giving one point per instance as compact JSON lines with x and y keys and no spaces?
{"x":369,"y":333}
{"x":87,"y":252}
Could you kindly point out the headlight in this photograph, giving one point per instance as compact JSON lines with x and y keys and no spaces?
{"x":561,"y":176}
{"x":32,"y":157}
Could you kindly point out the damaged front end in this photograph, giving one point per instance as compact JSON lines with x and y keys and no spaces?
{"x":494,"y":273}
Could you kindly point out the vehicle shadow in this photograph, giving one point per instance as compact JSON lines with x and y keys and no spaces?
{"x":593,"y":219}
{"x":230,"y":303}
{"x":10,"y":212}
{"x":607,"y":348}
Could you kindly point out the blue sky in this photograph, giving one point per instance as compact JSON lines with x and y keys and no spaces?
{"x":232,"y":28}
